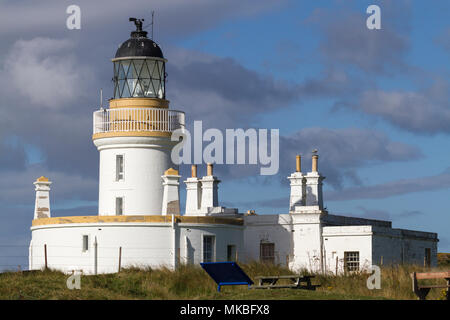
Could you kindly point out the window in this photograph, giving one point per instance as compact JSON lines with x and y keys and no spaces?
{"x":231,"y":252}
{"x":427,"y":258}
{"x":142,"y":78}
{"x":351,"y":261}
{"x":208,"y":248}
{"x":119,"y":206}
{"x":267,"y":252}
{"x":85,"y":243}
{"x":119,"y":167}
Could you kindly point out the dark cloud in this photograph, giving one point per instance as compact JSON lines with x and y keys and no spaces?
{"x":342,"y":151}
{"x":17,"y":186}
{"x":221,"y":92}
{"x":425,"y":111}
{"x":76,"y":211}
{"x":394,"y":188}
{"x":381,"y":214}
{"x":372,"y":213}
{"x":12,"y":156}
{"x":409,"y":213}
{"x":348,"y":42}
{"x":14,"y":237}
{"x":173,"y":18}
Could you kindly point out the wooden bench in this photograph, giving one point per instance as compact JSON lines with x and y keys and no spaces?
{"x":422,"y":290}
{"x":296,"y":282}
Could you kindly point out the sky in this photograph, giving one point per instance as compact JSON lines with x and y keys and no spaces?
{"x":374,"y":103}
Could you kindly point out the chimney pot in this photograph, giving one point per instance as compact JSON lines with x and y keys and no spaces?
{"x":298,"y":163}
{"x":209,"y":169}
{"x":315,"y":161}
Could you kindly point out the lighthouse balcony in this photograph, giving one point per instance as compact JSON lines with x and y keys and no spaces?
{"x":140,"y":121}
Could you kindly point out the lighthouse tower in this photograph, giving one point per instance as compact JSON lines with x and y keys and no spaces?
{"x":133,"y":135}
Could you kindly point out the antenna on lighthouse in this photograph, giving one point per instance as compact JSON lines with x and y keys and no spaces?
{"x":151,"y":23}
{"x":101,"y":98}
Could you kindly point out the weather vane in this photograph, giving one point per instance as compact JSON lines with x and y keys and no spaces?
{"x":138,"y":24}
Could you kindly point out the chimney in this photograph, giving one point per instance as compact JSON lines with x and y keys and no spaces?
{"x":171,"y":195}
{"x":42,"y":204}
{"x":314,"y":185}
{"x":315,"y":160}
{"x":209,"y":169}
{"x":298,"y":186}
{"x":193,"y":193}
{"x":210,"y":197}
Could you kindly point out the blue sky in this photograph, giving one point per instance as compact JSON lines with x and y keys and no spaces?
{"x":374,"y":102}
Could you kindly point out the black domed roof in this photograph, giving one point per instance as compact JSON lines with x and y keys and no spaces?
{"x":139,"y":46}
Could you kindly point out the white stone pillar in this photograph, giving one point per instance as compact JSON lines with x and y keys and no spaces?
{"x":210,"y":197}
{"x":193,"y":193}
{"x":298,"y":187}
{"x":314,"y":189}
{"x":314,"y":185}
{"x":42,"y":204}
{"x":171,"y":194}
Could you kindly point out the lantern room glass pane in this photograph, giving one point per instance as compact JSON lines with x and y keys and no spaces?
{"x":139,"y":78}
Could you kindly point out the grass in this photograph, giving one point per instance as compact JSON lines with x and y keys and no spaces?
{"x":444,"y":260}
{"x":191,"y":282}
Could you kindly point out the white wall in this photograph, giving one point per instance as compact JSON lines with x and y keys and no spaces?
{"x":191,"y":245}
{"x":268,"y":228}
{"x":145,"y":160}
{"x":143,"y":244}
{"x":337,"y":240}
{"x":307,"y":242}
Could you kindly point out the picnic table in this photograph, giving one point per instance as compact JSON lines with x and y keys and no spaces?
{"x":294,"y":281}
{"x":422,"y":290}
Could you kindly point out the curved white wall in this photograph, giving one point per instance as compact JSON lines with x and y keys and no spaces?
{"x":145,"y":160}
{"x":143,"y":244}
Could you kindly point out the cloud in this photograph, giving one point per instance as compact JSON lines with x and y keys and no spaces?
{"x":409,"y":213}
{"x":18,"y":189}
{"x":44,"y":71}
{"x":393,"y":188}
{"x":342,"y":151}
{"x":222,"y":92}
{"x":12,"y":156}
{"x":426,"y":111}
{"x":354,"y":58}
{"x":76,"y":211}
{"x":197,"y":15}
{"x":348,"y":42}
{"x":372,"y":213}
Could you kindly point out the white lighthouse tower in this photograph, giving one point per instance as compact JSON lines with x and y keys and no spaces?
{"x":133,"y":135}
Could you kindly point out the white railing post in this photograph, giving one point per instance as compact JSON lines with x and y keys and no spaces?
{"x":137,"y":119}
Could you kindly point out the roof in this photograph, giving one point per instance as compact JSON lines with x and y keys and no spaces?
{"x":139,"y":46}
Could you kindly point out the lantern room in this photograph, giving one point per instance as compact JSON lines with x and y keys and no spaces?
{"x":139,"y":67}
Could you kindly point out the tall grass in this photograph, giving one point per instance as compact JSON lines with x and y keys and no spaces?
{"x":192,"y":282}
{"x":396,"y":283}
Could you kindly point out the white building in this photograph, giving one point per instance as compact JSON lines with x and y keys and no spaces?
{"x":139,"y":222}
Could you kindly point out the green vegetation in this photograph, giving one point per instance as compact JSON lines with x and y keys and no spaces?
{"x":444,"y":260}
{"x":191,"y":282}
